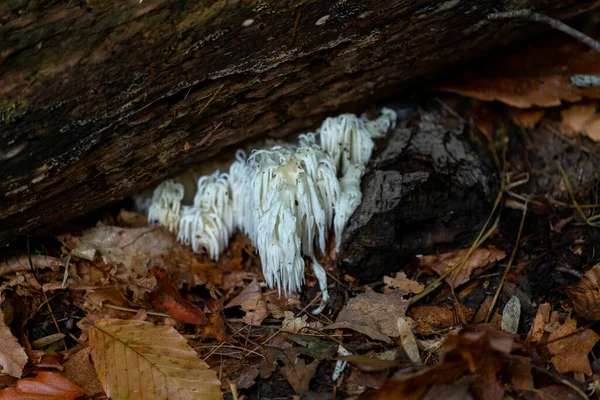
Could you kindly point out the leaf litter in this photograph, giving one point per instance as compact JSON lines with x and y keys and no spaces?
{"x":122,"y":309}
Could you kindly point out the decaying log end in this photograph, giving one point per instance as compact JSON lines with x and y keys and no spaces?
{"x":427,"y":191}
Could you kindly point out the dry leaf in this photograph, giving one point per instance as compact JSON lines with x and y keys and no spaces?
{"x":592,"y":130}
{"x":80,"y":370}
{"x":12,"y":355}
{"x":136,"y":359}
{"x":526,"y":118}
{"x":166,"y":297}
{"x":403,"y":283}
{"x":511,"y":315}
{"x":571,"y":353}
{"x":45,"y":386}
{"x":128,"y":249}
{"x":251,"y":301}
{"x":585,"y":295}
{"x":479,"y":352}
{"x":299,"y":373}
{"x":478,"y":259}
{"x":373,"y":314}
{"x":575,"y":118}
{"x":542,"y":317}
{"x":538,"y":75}
{"x":430,"y":319}
{"x":408,"y":341}
{"x":21,"y":263}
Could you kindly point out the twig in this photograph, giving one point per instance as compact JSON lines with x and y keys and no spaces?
{"x":211,"y":99}
{"x":508,"y":265}
{"x":572,"y":195}
{"x":554,"y":23}
{"x":133,"y":310}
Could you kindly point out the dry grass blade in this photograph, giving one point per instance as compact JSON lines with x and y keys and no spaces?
{"x":572,"y":195}
{"x":508,"y":265}
{"x":139,"y":360}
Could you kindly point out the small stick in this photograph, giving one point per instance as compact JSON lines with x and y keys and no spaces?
{"x":508,"y":265}
{"x":554,"y":23}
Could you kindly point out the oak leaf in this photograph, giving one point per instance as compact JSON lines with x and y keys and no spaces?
{"x":45,"y":386}
{"x":570,"y":354}
{"x":139,"y":360}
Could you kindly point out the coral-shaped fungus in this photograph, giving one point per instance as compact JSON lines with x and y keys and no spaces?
{"x":285,"y":198}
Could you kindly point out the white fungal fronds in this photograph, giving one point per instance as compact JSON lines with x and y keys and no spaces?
{"x":285,"y":199}
{"x":349,"y":139}
{"x":208,"y":224}
{"x":165,"y":209}
{"x":350,"y":199}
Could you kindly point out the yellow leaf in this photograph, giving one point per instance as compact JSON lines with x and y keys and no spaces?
{"x":139,"y":360}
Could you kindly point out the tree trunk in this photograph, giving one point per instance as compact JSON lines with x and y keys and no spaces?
{"x":99,"y":99}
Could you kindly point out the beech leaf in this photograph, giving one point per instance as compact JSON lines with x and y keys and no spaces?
{"x":45,"y":386}
{"x":139,"y":360}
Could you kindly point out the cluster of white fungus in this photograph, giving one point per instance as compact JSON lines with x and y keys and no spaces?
{"x":285,"y":199}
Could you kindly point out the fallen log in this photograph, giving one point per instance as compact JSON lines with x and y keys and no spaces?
{"x":100,"y":99}
{"x":426,"y":192}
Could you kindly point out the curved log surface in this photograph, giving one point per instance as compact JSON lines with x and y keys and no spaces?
{"x":101,"y":98}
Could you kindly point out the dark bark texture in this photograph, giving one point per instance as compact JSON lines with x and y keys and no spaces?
{"x":426,"y":192}
{"x":100,"y":98}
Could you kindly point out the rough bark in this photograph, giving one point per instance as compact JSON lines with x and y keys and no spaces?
{"x":99,"y":99}
{"x":427,"y":191}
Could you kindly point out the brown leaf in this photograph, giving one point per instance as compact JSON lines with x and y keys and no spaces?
{"x":430,"y":319}
{"x":12,"y":355}
{"x":299,"y":374}
{"x":576,"y":117}
{"x":571,"y":353}
{"x":372,"y":364}
{"x":136,"y":358}
{"x":167,"y":298}
{"x":403,"y":283}
{"x":373,"y":314}
{"x":585,"y":295}
{"x":478,"y":259}
{"x":21,"y":263}
{"x":526,"y":118}
{"x":542,"y":317}
{"x":216,"y":326}
{"x":80,"y":370}
{"x":537,"y":75}
{"x":251,"y":301}
{"x":477,"y":352}
{"x":45,"y":386}
{"x":520,"y":373}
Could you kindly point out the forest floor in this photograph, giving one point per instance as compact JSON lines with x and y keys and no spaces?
{"x":513,"y":315}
